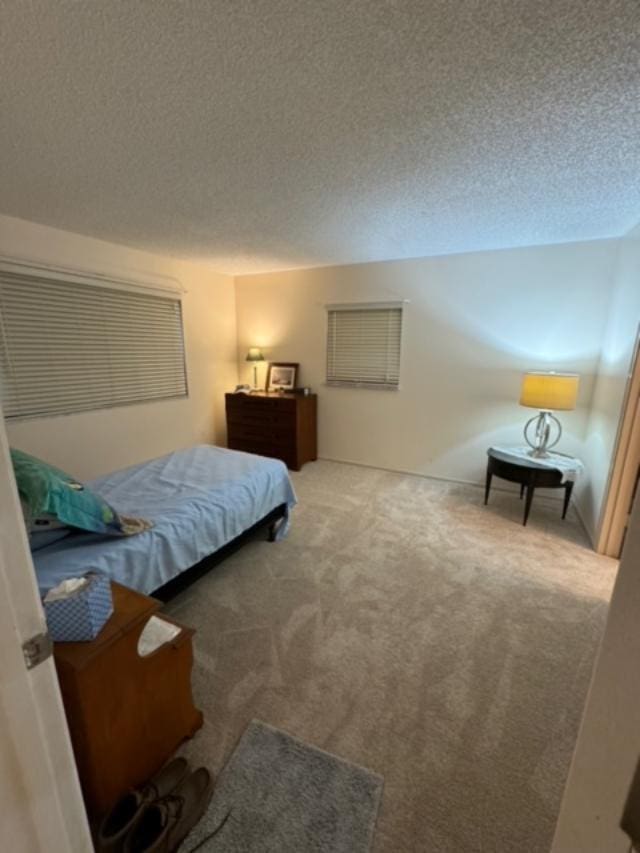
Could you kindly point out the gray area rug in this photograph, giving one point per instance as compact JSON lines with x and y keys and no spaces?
{"x":283,"y":796}
{"x":409,"y":629}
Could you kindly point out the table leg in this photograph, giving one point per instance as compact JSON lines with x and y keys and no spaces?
{"x":527,"y":503}
{"x":521,"y":490}
{"x":487,"y":487}
{"x":567,"y":497}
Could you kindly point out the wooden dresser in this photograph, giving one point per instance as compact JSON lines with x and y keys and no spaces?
{"x":274,"y":424}
{"x":126,"y":713}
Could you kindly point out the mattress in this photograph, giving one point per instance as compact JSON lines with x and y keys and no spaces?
{"x":198,"y":499}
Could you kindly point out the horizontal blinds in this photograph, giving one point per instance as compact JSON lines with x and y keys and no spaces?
{"x":67,"y":347}
{"x":363,"y":346}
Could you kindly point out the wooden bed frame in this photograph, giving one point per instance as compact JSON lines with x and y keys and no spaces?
{"x":168,"y":590}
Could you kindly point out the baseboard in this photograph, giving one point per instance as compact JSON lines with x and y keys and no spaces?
{"x":547,"y":494}
{"x":587,"y":532}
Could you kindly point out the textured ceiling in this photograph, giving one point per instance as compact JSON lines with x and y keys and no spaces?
{"x":267,"y":134}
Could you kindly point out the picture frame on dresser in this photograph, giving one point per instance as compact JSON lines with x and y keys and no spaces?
{"x":282,"y":375}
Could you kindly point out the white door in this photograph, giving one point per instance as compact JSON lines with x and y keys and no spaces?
{"x":608,"y":745}
{"x":41,"y":806}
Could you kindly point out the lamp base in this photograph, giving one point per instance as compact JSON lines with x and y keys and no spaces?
{"x":542,"y":443}
{"x":536,"y":453}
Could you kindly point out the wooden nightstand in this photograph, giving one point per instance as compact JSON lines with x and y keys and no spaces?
{"x":126,"y":713}
{"x":273,"y":424}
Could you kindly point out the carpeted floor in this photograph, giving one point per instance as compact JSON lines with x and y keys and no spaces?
{"x":407,"y":628}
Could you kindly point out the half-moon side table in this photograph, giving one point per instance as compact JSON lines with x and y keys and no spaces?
{"x":529,"y":475}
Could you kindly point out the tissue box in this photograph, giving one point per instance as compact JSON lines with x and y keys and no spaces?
{"x":81,"y":615}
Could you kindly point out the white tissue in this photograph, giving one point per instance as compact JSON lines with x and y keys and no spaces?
{"x":66,"y":588}
{"x":156,"y":632}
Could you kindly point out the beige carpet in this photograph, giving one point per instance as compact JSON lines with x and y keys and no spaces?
{"x":409,"y":629}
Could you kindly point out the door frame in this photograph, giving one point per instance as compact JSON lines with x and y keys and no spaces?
{"x":41,"y":806}
{"x":624,"y":468}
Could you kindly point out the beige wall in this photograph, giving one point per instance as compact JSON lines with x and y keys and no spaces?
{"x":473,"y":324}
{"x":93,"y":443}
{"x":613,"y":370}
{"x":608,"y":745}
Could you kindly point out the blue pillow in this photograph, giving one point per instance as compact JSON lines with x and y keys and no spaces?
{"x":47,"y":491}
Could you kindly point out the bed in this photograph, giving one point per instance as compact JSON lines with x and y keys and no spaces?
{"x":199,"y":501}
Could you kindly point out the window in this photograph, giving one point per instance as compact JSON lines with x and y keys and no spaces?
{"x":68,"y":344}
{"x":363,"y":345}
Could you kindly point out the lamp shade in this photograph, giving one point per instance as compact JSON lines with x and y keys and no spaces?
{"x":549,"y":391}
{"x":254,"y":354}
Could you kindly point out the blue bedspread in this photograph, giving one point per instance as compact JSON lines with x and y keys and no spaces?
{"x":199,"y":499}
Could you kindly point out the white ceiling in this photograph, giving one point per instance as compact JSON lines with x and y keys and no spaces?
{"x":270,"y":134}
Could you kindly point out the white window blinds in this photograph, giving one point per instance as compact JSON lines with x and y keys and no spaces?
{"x":69,"y":347}
{"x":363,"y":345}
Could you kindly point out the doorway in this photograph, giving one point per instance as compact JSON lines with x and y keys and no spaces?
{"x":625,"y":471}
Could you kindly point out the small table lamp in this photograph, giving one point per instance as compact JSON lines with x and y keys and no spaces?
{"x":254,"y":355}
{"x":548,"y":392}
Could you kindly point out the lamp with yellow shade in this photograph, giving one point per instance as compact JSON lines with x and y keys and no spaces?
{"x":547,"y":392}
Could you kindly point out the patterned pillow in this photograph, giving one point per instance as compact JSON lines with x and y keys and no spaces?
{"x":47,"y":492}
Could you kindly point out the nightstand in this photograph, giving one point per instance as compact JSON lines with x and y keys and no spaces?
{"x":126,"y":713}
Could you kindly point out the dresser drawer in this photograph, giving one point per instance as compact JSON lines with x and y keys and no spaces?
{"x":249,"y":402}
{"x":270,"y":433}
{"x":271,"y":417}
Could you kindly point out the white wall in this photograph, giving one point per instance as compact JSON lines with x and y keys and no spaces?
{"x":93,"y":443}
{"x":613,"y":370}
{"x":608,"y":745}
{"x":474,"y":323}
